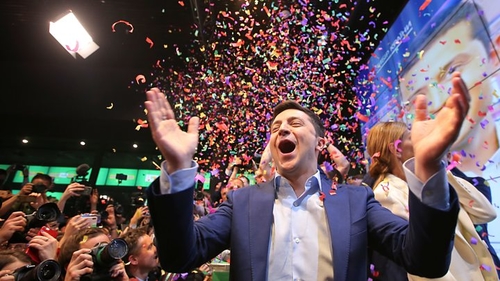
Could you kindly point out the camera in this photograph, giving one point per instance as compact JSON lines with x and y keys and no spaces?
{"x":104,"y":256}
{"x":87,"y":191}
{"x":39,"y":188}
{"x":137,"y":199}
{"x":46,"y":213}
{"x":47,"y":270}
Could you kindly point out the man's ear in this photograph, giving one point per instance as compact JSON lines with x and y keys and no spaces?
{"x":321,"y":144}
{"x":133,"y":260}
{"x":395,"y":150}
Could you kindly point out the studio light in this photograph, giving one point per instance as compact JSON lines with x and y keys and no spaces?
{"x":70,"y":33}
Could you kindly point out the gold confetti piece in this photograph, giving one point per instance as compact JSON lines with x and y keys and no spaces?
{"x":84,"y":239}
{"x":144,"y":159}
{"x":110,"y":107}
{"x":420,"y":54}
{"x":156,"y":165}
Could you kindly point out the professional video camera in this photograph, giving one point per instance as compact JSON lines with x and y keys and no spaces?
{"x":47,"y":270}
{"x":81,"y":173}
{"x":105,"y":256}
{"x":80,"y":204}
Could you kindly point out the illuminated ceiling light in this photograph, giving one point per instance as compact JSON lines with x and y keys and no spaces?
{"x":82,"y":143}
{"x":25,"y":141}
{"x":135,"y":145}
{"x":70,"y":33}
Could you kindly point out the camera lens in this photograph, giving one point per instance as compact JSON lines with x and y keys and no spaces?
{"x":48,"y":212}
{"x":48,"y":270}
{"x":108,"y":253}
{"x":118,"y":248}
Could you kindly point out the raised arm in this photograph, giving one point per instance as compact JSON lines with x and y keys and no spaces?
{"x":432,"y":138}
{"x":176,"y":146}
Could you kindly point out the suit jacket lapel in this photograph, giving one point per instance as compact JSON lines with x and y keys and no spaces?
{"x":338,"y":215}
{"x":259,"y":224}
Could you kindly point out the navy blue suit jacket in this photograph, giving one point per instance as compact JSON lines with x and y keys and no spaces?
{"x":356,"y":220}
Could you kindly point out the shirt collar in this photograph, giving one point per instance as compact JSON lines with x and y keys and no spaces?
{"x":313,"y":185}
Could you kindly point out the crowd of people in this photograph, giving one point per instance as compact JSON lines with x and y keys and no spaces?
{"x":40,"y":233}
{"x":42,"y":238}
{"x":299,"y":221}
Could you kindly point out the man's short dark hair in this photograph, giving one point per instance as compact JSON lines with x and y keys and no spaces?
{"x":318,"y":125}
{"x":43,"y":177}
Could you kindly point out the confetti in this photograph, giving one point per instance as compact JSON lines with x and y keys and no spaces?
{"x":131,"y":27}
{"x":140,"y":79}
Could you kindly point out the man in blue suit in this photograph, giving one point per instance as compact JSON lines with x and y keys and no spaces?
{"x":300,"y":226}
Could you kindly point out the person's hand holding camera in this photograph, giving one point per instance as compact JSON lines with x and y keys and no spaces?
{"x":118,"y":272}
{"x":80,"y":264}
{"x":73,"y":189}
{"x":46,"y":246}
{"x":74,"y":225}
{"x":39,"y":201}
{"x":15,"y":222}
{"x":26,"y":189}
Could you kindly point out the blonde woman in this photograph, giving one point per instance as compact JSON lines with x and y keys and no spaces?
{"x":389,"y":146}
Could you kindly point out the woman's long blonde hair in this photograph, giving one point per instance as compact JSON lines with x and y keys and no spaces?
{"x":378,"y":141}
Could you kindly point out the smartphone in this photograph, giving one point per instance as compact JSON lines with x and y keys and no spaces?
{"x":87,"y":191}
{"x":32,"y":252}
{"x":91,"y":218}
{"x":26,"y":199}
{"x":48,"y":230}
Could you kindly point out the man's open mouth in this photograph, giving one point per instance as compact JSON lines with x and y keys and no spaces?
{"x":286,"y":146}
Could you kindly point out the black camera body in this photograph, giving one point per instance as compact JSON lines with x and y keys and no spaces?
{"x":47,"y":270}
{"x":105,"y":256}
{"x":39,"y":188}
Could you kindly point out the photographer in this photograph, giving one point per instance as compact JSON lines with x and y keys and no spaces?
{"x":76,"y":256}
{"x":142,"y":258}
{"x":17,"y":266}
{"x":30,"y":197}
{"x":10,"y":260}
{"x":72,"y":190}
